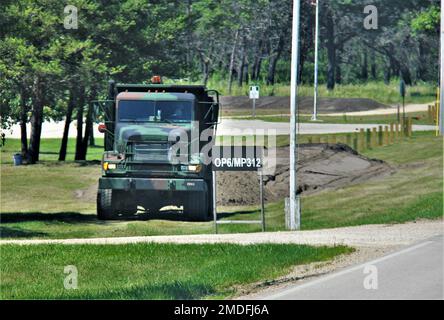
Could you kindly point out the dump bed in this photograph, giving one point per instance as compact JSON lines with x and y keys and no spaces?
{"x":198,"y":91}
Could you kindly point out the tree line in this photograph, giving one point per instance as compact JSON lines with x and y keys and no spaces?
{"x":48,"y":71}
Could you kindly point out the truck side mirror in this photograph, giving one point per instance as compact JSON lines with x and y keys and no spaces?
{"x":102,"y":128}
{"x":215,"y":113}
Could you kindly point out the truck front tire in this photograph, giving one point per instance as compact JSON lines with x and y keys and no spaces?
{"x":105,"y":208}
{"x":196,"y":206}
{"x":114,"y":203}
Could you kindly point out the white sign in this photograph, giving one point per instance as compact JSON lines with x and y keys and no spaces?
{"x":254,"y":92}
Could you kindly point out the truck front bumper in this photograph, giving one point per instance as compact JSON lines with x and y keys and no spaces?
{"x":155,"y":184}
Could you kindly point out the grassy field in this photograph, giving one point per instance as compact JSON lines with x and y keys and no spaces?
{"x":415,"y":191}
{"x":53,"y":200}
{"x":148,"y":271}
{"x":378,"y":91}
{"x":418,"y":118}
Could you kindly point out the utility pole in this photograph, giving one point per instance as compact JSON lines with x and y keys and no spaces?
{"x":295,"y":219}
{"x":316,"y":69}
{"x":441,"y":82}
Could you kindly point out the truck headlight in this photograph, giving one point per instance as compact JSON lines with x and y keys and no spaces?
{"x":195,"y":168}
{"x":109,"y":166}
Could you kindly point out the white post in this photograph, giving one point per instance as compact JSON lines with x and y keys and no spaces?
{"x":294,"y":216}
{"x":441,"y":82}
{"x":214,"y":201}
{"x":315,"y":107}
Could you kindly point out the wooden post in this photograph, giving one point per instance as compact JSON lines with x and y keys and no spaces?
{"x":386,"y":135}
{"x":380,"y":133}
{"x":317,"y":139}
{"x":434,"y":108}
{"x":355,"y":141}
{"x":410,"y":127}
{"x":368,"y":139}
{"x":396,"y":132}
{"x":404,"y":128}
{"x":349,"y":140}
{"x":374,"y":137}
{"x":392,"y":134}
{"x":361,"y":140}
{"x":333,"y":139}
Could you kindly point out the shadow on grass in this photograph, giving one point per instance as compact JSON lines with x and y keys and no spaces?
{"x":75,"y":217}
{"x":178,"y":215}
{"x":223,"y":215}
{"x":67,"y":217}
{"x":80,"y":163}
{"x":182,"y":290}
{"x":49,"y":152}
{"x":7,"y":232}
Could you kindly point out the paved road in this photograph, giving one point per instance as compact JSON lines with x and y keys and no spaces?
{"x":391,"y":110}
{"x":228,"y":127}
{"x":243,"y":127}
{"x":415,"y":272}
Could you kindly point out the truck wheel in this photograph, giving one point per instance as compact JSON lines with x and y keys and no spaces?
{"x":210,"y":201}
{"x":105,"y":208}
{"x":196,"y":207}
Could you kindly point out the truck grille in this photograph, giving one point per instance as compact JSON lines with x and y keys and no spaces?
{"x":151,"y":152}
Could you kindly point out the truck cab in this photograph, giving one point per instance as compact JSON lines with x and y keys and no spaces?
{"x":149,"y":161}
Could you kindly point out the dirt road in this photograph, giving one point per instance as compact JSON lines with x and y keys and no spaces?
{"x":360,"y":236}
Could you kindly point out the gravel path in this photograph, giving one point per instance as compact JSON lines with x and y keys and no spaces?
{"x":361,"y":236}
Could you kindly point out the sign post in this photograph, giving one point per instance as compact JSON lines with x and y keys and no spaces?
{"x":254,"y":95}
{"x":295,"y":217}
{"x":441,"y":82}
{"x":316,"y":70}
{"x":229,"y":158}
{"x":402,"y":91}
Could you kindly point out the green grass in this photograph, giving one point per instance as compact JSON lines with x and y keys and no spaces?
{"x":148,"y":271}
{"x":378,"y":91}
{"x":414,"y":191}
{"x":49,"y":150}
{"x":420,"y":118}
{"x":40,"y":201}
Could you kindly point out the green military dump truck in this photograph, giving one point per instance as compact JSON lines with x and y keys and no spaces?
{"x":144,"y":123}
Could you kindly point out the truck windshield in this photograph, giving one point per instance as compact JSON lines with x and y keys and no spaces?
{"x":154,"y":111}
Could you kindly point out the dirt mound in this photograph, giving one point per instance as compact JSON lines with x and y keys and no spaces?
{"x":320,"y":167}
{"x":325,"y":105}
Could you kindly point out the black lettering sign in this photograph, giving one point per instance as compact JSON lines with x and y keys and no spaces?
{"x":237,"y":158}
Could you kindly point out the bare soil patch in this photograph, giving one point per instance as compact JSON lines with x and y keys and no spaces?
{"x":320,"y":167}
